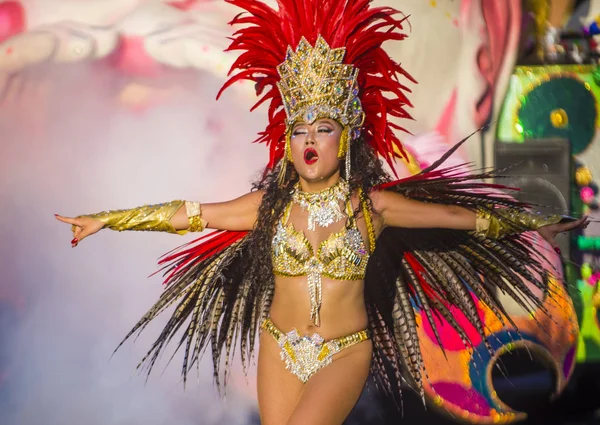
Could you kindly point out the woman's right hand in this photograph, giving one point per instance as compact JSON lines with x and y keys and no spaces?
{"x":82,"y":227}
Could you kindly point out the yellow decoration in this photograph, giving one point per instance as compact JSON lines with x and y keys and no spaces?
{"x":194,"y":214}
{"x":519,"y":128}
{"x":155,"y":218}
{"x":583,"y":176}
{"x":559,"y":118}
{"x":596,"y":299}
{"x":411,"y":163}
{"x":316,"y":84}
{"x":541,"y":12}
{"x":368,"y":219}
{"x":509,"y":221}
{"x":304,"y":356}
{"x":586,"y":271}
{"x":288,"y":147}
{"x":536,"y":73}
{"x":344,"y":143}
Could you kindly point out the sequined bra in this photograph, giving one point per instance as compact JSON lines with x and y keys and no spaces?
{"x":342,"y":256}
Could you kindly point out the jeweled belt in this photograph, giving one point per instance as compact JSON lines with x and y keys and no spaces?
{"x":303,"y":355}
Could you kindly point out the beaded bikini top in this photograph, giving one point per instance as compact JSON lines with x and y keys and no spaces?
{"x":342,"y":256}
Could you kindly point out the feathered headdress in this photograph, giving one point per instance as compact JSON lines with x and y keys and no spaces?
{"x":315,"y":58}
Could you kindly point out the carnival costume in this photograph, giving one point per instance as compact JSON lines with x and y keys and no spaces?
{"x":324,"y":59}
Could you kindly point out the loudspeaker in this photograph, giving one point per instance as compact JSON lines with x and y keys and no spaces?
{"x":543,"y":170}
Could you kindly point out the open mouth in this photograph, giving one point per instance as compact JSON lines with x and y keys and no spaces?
{"x":310,"y":156}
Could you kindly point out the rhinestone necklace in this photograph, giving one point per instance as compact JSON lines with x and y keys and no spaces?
{"x":324,"y":206}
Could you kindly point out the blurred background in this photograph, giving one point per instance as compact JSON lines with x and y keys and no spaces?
{"x":111,"y":104}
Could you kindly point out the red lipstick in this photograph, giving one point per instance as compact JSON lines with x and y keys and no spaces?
{"x":310,"y":156}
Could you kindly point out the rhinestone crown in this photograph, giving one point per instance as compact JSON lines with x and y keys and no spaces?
{"x":316,"y":84}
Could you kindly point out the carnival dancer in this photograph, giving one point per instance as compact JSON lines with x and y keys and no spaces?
{"x":328,"y":256}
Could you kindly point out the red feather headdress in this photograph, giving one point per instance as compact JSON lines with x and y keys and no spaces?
{"x":269,"y":36}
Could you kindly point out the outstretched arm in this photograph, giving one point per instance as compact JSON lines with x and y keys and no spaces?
{"x":173,"y":217}
{"x":398,"y":211}
{"x":238,"y":214}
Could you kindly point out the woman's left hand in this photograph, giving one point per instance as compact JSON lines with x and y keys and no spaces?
{"x":549,"y":232}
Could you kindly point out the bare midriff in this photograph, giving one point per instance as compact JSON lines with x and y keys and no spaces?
{"x":343,"y":310}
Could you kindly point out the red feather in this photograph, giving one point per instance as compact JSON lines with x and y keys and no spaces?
{"x":179,"y":259}
{"x":354,"y":24}
{"x":419,"y":271}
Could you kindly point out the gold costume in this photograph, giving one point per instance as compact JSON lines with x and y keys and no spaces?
{"x":342,"y":256}
{"x":303,"y":355}
{"x":316,"y":84}
{"x":509,"y":221}
{"x":154,"y":218}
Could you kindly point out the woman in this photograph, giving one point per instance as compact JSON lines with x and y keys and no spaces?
{"x":296,"y":256}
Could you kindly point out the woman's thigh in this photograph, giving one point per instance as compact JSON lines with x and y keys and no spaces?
{"x":330,"y":394}
{"x":278,"y":389}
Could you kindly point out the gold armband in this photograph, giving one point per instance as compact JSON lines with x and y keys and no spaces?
{"x":194,"y":214}
{"x":509,"y":221}
{"x":156,"y":218}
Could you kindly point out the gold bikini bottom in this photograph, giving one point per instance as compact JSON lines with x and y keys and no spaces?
{"x":303,"y":355}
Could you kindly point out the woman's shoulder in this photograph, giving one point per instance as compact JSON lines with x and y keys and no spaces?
{"x":371,"y":197}
{"x":381,"y":198}
{"x":370,"y":200}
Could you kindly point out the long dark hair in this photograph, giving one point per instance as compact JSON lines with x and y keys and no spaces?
{"x":366,"y":172}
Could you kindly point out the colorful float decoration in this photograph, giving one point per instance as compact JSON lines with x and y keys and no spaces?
{"x":460,"y":381}
{"x":561,"y":101}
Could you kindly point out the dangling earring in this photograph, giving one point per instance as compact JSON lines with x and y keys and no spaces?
{"x":343,"y":143}
{"x":344,"y":150}
{"x":348,"y":161}
{"x":287,"y":156}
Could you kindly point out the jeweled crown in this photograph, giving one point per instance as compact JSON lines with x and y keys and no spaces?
{"x":316,"y":84}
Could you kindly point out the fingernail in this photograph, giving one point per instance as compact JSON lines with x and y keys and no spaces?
{"x":557,"y":249}
{"x":74,"y":241}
